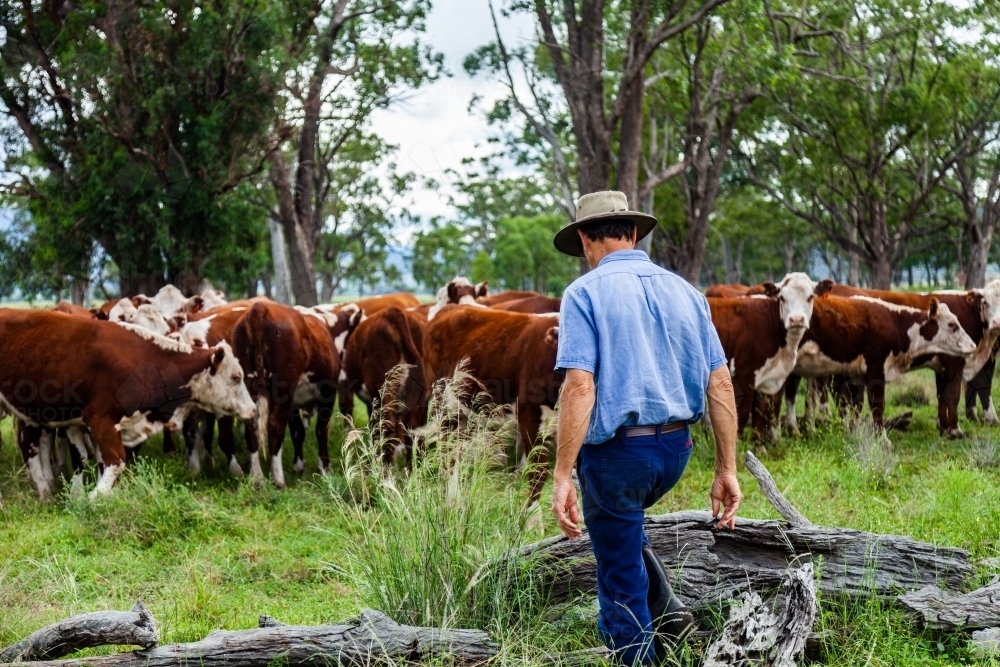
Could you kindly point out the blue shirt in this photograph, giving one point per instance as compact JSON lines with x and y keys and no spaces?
{"x":647,"y":336}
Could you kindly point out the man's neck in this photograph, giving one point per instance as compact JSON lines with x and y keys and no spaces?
{"x":601,"y":250}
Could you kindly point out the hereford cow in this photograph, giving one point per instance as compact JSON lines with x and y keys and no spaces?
{"x":372,"y":305}
{"x":513,"y":355}
{"x":391,"y":337}
{"x":291,"y":364}
{"x":873,"y":342}
{"x":72,"y":309}
{"x":761,"y":336}
{"x":458,"y":291}
{"x":493,"y":300}
{"x":978,"y":312}
{"x":535,"y":305}
{"x":59,"y":370}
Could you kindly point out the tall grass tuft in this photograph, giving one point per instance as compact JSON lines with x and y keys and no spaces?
{"x":872,"y":451}
{"x":984,"y":452}
{"x":432,"y":543}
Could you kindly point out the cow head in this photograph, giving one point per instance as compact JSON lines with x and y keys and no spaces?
{"x":941,"y":333}
{"x":220,"y":389}
{"x":149,"y":318}
{"x":459,"y":291}
{"x":795,"y":295}
{"x":169,"y":301}
{"x":988,"y":299}
{"x":212,"y":298}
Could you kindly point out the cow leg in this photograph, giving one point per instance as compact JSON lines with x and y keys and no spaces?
{"x":529,"y":419}
{"x":61,"y":453}
{"x":109,"y":443}
{"x":277,"y":423}
{"x":791,"y":393}
{"x":168,"y":442}
{"x":297,"y":429}
{"x":876,"y":401}
{"x":208,"y":437}
{"x":949,"y":392}
{"x":345,"y":396}
{"x":323,"y":436}
{"x":256,"y":433}
{"x":45,"y":457}
{"x":29,"y":441}
{"x":195,"y":444}
{"x":227,"y":443}
{"x":818,"y":398}
{"x":78,"y":454}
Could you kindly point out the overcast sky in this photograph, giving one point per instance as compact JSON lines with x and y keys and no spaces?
{"x":433,"y":128}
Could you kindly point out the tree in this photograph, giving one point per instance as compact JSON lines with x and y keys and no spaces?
{"x":440,"y":253}
{"x":349,"y":59}
{"x":526,"y":259}
{"x":866,"y":138}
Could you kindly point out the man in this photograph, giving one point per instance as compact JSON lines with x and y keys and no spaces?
{"x":640,"y":354}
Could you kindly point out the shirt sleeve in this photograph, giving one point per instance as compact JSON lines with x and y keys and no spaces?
{"x":577,"y":334}
{"x":714,"y":351}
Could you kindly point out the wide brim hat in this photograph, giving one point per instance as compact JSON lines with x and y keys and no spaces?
{"x":599,"y":206}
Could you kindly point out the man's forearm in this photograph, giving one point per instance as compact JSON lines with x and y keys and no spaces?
{"x":576,"y":402}
{"x":722,"y":409}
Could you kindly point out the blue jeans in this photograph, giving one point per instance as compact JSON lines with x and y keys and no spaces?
{"x":620,"y":478}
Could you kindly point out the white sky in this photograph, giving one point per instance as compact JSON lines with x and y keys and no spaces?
{"x":433,"y":128}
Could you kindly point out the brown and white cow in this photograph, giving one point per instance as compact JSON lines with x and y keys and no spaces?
{"x":512,"y":355}
{"x":373,"y":304}
{"x":873,"y":342}
{"x":492,"y":300}
{"x":291,"y":365}
{"x":458,"y":291}
{"x":535,"y":305}
{"x":122,"y":385}
{"x":978,"y":312}
{"x":761,"y":334}
{"x":391,"y":337}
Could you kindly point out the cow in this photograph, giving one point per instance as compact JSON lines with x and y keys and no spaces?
{"x":372,"y":305}
{"x":978,"y":312}
{"x":291,"y":365}
{"x":503,"y":297}
{"x":872,"y":342}
{"x":145,"y":316}
{"x":389,"y":338}
{"x":512,"y":355}
{"x":761,"y":335}
{"x":73,"y":309}
{"x":121,"y":382}
{"x":458,"y":291}
{"x":535,"y":305}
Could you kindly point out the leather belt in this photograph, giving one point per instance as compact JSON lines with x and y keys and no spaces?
{"x":640,"y":431}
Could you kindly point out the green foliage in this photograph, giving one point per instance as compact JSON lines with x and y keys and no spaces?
{"x":440,"y":253}
{"x":525,"y":257}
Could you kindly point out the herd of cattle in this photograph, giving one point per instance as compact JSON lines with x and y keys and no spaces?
{"x":84,"y":384}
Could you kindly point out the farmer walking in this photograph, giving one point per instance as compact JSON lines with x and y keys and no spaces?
{"x":640,"y":354}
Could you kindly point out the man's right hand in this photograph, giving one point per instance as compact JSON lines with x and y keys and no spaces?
{"x":726,"y":494}
{"x":564,"y":506}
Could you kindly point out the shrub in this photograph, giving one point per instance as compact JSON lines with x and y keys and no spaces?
{"x":914,"y":396}
{"x":871,"y":449}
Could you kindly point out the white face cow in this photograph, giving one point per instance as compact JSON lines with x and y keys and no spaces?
{"x":169,"y":301}
{"x":948,"y":337}
{"x":795,"y":296}
{"x":989,"y":307}
{"x":145,"y":316}
{"x":220,"y":388}
{"x":459,"y":291}
{"x":121,"y":311}
{"x":212,"y":298}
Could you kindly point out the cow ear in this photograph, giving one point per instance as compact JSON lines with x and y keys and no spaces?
{"x":824,"y":287}
{"x":217,"y":358}
{"x":552,"y":336}
{"x":97,"y":314}
{"x":452,"y":293}
{"x":932,"y":311}
{"x":970,"y":297}
{"x":483,"y":289}
{"x":770,"y":289}
{"x":356,"y":318}
{"x":196,"y":304}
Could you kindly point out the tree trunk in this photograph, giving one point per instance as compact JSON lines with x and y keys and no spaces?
{"x":881,"y":273}
{"x":979,"y":255}
{"x":80,"y":289}
{"x":282,"y":284}
{"x":301,"y":253}
{"x":630,"y":134}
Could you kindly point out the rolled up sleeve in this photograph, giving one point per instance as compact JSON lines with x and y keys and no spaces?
{"x":578,"y":346}
{"x":714,"y":351}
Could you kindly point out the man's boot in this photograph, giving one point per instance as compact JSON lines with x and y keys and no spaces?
{"x":671,"y":619}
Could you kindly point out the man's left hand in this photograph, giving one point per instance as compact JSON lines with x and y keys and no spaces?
{"x":564,"y":506}
{"x":726,"y":494}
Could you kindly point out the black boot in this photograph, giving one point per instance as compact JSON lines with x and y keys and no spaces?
{"x":672,"y":621}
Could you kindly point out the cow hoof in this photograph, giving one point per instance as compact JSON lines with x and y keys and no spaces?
{"x":280,"y":486}
{"x":299,"y":466}
{"x":992,"y":422}
{"x":323,"y":469}
{"x":972,"y":416}
{"x":234,"y":468}
{"x":210,"y":462}
{"x":46,"y":496}
{"x":955,"y":433}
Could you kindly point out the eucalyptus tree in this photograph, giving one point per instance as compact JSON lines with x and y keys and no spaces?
{"x":349,"y":59}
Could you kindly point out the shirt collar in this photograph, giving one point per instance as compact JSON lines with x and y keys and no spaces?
{"x":624,"y":255}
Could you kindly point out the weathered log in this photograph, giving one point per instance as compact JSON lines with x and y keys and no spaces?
{"x":986,"y":643}
{"x":711,"y":565}
{"x":371,"y":638}
{"x":103,"y":628}
{"x":754,"y":633}
{"x":942,"y":610}
{"x":771,"y":492}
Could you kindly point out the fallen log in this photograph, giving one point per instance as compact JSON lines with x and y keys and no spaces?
{"x":986,"y":643}
{"x":711,"y":565}
{"x":942,"y":610}
{"x":102,"y":628}
{"x":370,"y":638}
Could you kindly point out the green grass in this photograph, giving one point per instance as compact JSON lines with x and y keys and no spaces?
{"x":211,"y":552}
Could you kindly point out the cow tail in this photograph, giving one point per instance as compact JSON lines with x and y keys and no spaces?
{"x":248,"y":338}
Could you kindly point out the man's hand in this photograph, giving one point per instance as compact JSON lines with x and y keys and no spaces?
{"x":726,"y":495}
{"x":565,"y":508}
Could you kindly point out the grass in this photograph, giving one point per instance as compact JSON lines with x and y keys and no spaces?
{"x":211,"y":552}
